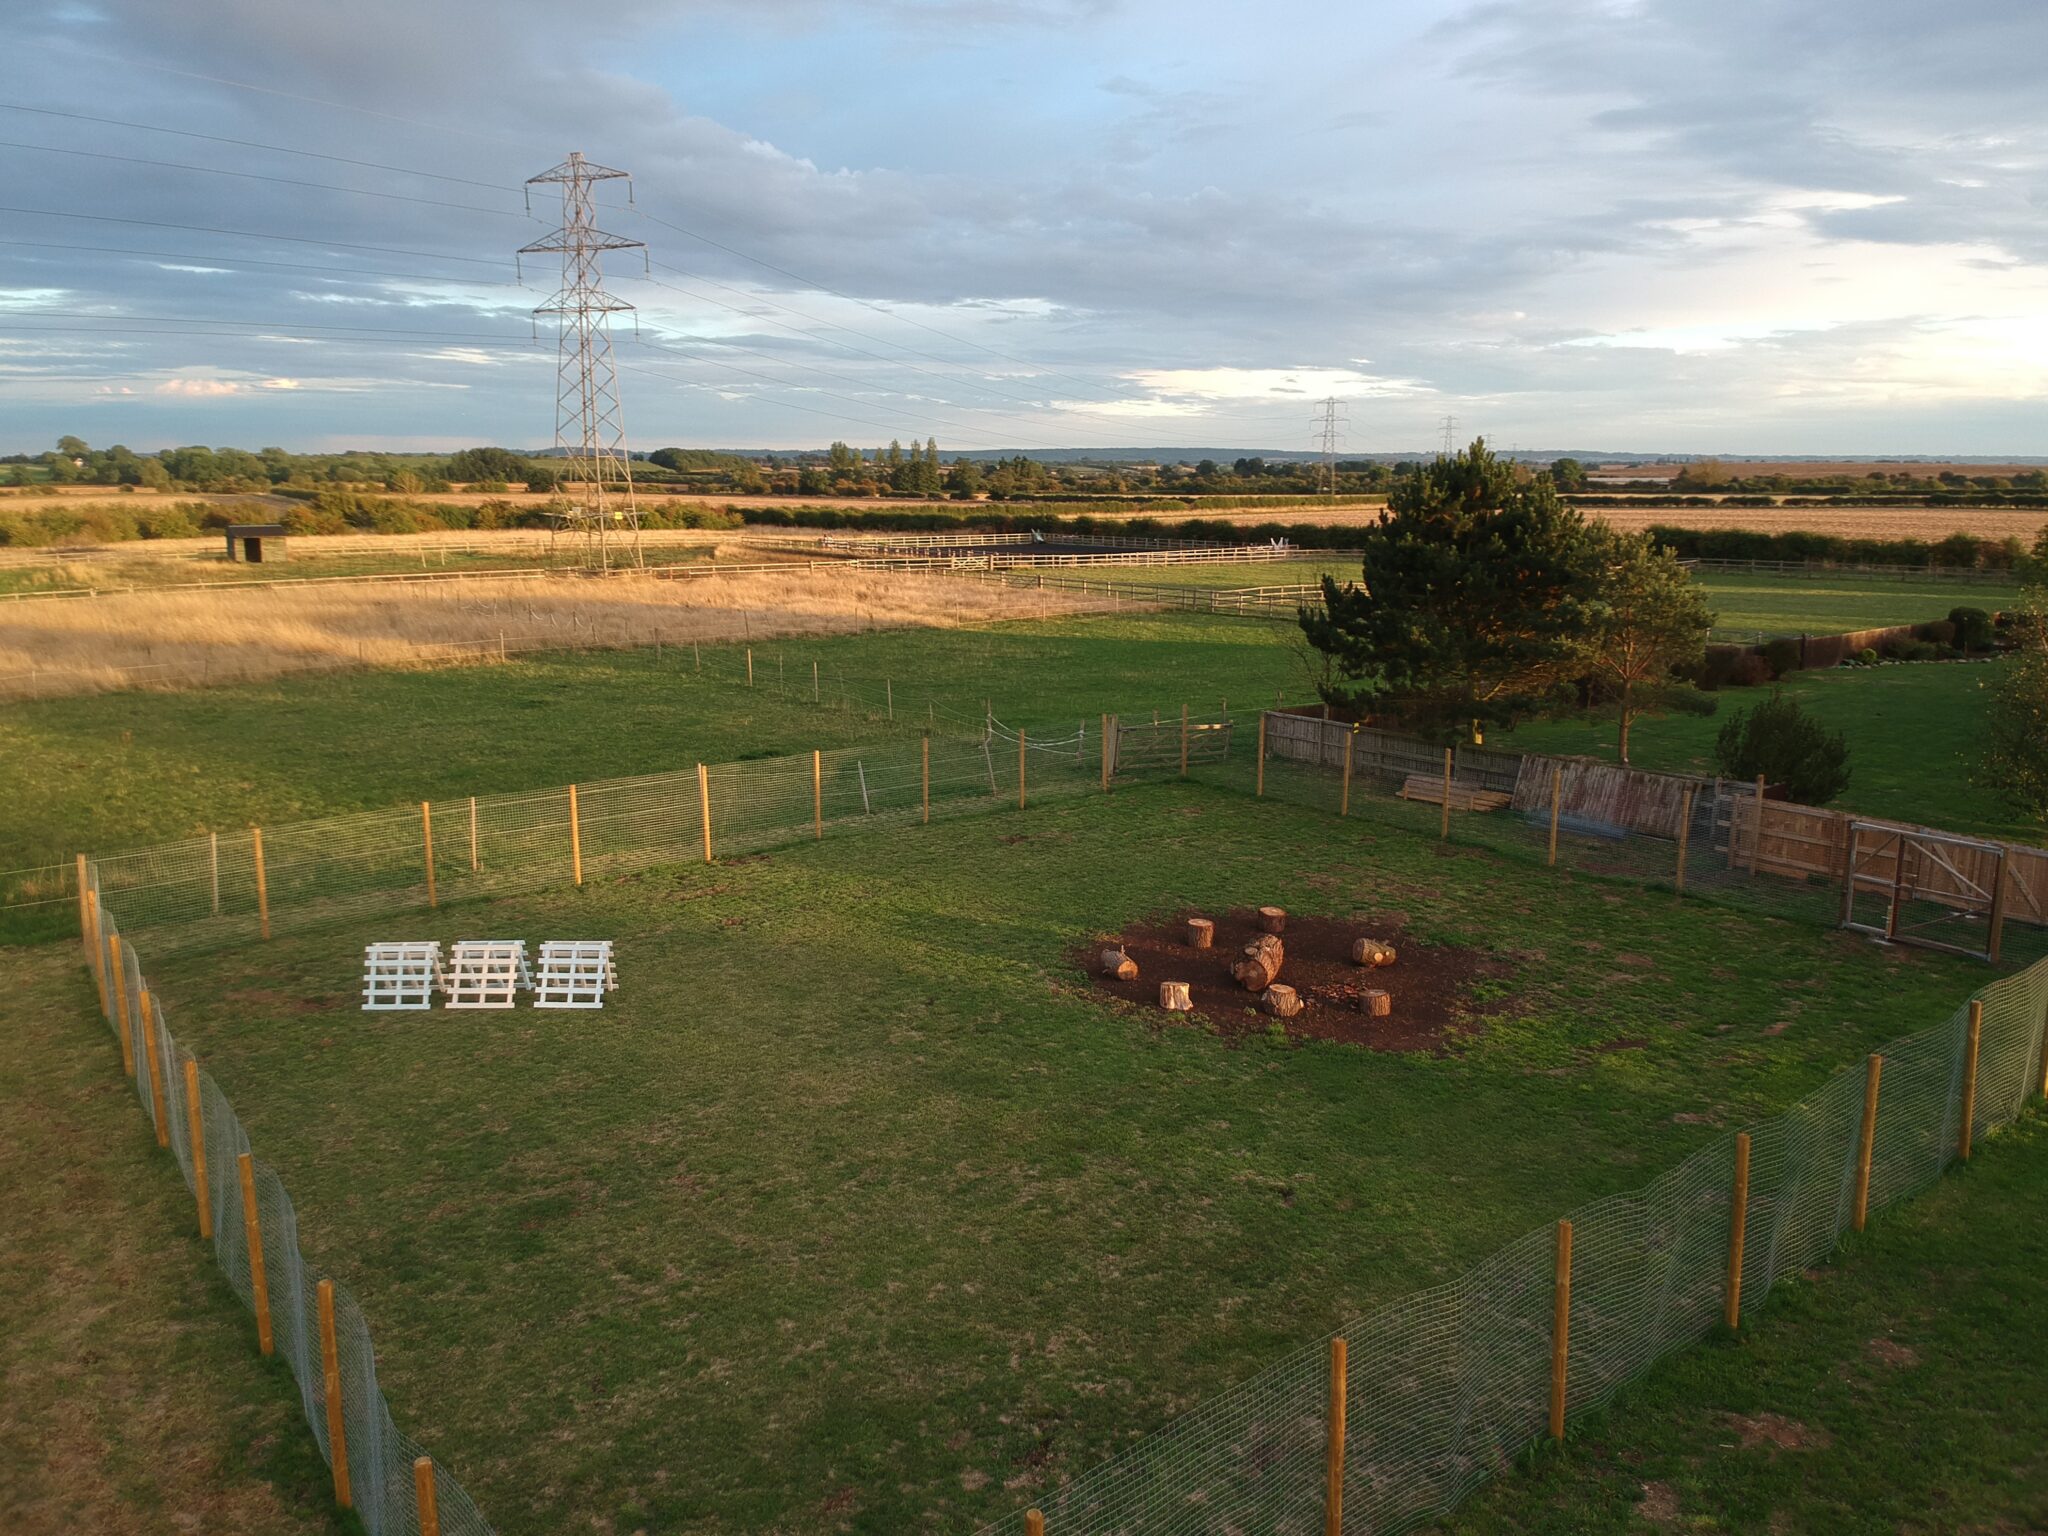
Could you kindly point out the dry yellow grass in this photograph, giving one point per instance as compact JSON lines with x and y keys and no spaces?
{"x":178,"y":639}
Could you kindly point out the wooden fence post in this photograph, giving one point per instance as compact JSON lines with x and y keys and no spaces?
{"x":1445,"y":830}
{"x":750,"y":666}
{"x":1556,"y":798}
{"x":1560,"y":1329}
{"x":121,"y":1019}
{"x":259,"y":1275}
{"x":158,"y":1110}
{"x":195,"y":1123}
{"x":925,"y":752}
{"x":1333,"y":1471}
{"x":474,"y":863}
{"x":575,"y":838}
{"x":213,"y":869}
{"x":262,"y":884}
{"x":330,"y":1378}
{"x":1738,"y":1230}
{"x":84,"y":920}
{"x":889,"y":695}
{"x":1756,"y":852}
{"x":817,"y":795}
{"x":1867,"y":1142}
{"x":816,"y":697}
{"x":1105,"y":754}
{"x":99,"y":957}
{"x":1684,"y":834}
{"x":704,"y":807}
{"x":427,"y":842}
{"x":1020,"y":768}
{"x":425,"y":1499}
{"x":1344,"y":794}
{"x":1260,"y":791}
{"x":1183,"y":741}
{"x":1034,"y":1522}
{"x":1998,"y":906}
{"x":1967,"y":1130}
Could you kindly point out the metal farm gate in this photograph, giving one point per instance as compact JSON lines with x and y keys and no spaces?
{"x":1910,"y":886}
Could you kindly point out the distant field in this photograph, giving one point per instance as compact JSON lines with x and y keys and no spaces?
{"x":1792,"y":605}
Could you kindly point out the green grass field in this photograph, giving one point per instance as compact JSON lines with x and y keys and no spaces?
{"x":854,"y":1209}
{"x":1830,"y":604}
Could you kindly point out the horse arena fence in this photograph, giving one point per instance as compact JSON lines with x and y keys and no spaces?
{"x":1389,"y":1422}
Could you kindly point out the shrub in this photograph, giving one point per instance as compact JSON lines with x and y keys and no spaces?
{"x":1941,"y":632}
{"x":1913,"y":650}
{"x":1867,"y":657}
{"x":1783,"y":655}
{"x":1972,"y":627}
{"x":1749,"y":670}
{"x":1780,"y":741}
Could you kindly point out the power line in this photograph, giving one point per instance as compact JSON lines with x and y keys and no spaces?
{"x":250,"y":234}
{"x":248,"y":261}
{"x":273,"y":327}
{"x":284,"y":181}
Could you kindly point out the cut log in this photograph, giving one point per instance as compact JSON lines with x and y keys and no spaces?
{"x":1371,"y":952}
{"x":1173,"y":996}
{"x":1375,"y":1002}
{"x":1120,"y":965}
{"x":1258,"y":967}
{"x":1282,"y":1002}
{"x":1201,"y":933}
{"x":1273,"y":919}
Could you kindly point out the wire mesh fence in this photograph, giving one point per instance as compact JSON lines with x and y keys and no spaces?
{"x":308,"y":1317}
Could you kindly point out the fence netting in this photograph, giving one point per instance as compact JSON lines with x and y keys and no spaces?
{"x":1446,"y":1387}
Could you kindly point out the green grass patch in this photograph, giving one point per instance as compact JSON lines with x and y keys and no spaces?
{"x":855,"y":1207}
{"x":1818,"y":604}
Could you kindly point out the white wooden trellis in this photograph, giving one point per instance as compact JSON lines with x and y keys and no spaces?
{"x":400,"y":975}
{"x":574,"y":973}
{"x":485,"y":973}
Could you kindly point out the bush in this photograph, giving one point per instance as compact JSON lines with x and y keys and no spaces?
{"x":1941,"y":632}
{"x":1790,"y":748}
{"x":1783,"y":655}
{"x":1912,"y":650}
{"x":1749,"y":670}
{"x":1867,"y":657}
{"x":1972,"y":627}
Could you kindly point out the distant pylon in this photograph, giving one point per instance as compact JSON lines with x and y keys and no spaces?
{"x":1326,"y":434}
{"x":1450,"y":426}
{"x":589,"y":425}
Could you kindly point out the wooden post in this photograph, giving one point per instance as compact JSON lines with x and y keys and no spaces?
{"x":1333,"y":1472}
{"x":121,"y":1021}
{"x":1020,"y":769}
{"x":425,"y":1499}
{"x":1183,"y":741}
{"x":1891,"y":919}
{"x":213,"y":869}
{"x":1445,"y":831}
{"x":262,"y":885}
{"x":1756,"y":852}
{"x":259,"y":1276}
{"x":99,"y":956}
{"x":1998,"y":906}
{"x":201,"y":1191}
{"x":84,"y":919}
{"x":1560,"y":1329}
{"x":815,"y":696}
{"x":1260,"y":791}
{"x":1105,"y":754}
{"x":925,"y":752}
{"x":1867,"y":1142}
{"x":889,"y":695}
{"x":750,"y":666}
{"x":817,"y":795}
{"x":427,"y":842}
{"x":1738,"y":1230}
{"x":1556,"y":797}
{"x":1966,"y":1131}
{"x":704,"y":807}
{"x":330,"y":1377}
{"x":575,"y":838}
{"x":1034,"y":1523}
{"x":157,"y":1108}
{"x":474,"y":863}
{"x":1684,"y":834}
{"x":1344,"y":795}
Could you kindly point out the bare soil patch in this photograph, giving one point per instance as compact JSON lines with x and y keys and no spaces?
{"x":1429,"y":983}
{"x":1777,"y":1432}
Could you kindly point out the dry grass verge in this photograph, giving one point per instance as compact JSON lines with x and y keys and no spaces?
{"x":174,"y":639}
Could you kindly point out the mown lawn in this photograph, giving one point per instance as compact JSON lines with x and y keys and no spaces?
{"x":1820,"y":604}
{"x":1899,"y":1392}
{"x":854,"y":1210}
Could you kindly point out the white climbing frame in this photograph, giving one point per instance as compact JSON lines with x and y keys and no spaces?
{"x":400,"y":975}
{"x":574,"y":973}
{"x":485,"y":973}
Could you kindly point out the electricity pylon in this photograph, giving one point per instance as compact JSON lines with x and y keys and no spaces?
{"x":1326,"y":435}
{"x":1450,"y":426}
{"x":589,"y":425}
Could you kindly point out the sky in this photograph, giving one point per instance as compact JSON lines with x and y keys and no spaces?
{"x":1697,"y":226}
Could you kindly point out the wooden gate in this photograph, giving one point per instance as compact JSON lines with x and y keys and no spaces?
{"x":1907,"y":885}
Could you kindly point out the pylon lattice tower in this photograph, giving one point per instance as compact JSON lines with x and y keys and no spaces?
{"x":589,"y":425}
{"x":1328,"y":429}
{"x":1450,"y":427}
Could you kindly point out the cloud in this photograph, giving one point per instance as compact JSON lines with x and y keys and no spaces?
{"x":200,"y":389}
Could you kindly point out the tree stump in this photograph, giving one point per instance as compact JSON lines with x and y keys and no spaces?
{"x":1173,"y":996}
{"x":1273,"y":919}
{"x":1280,"y":1001}
{"x":1201,"y":933}
{"x":1375,"y":1002}
{"x":1371,"y":953}
{"x":1120,"y":965}
{"x":1258,"y":967}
